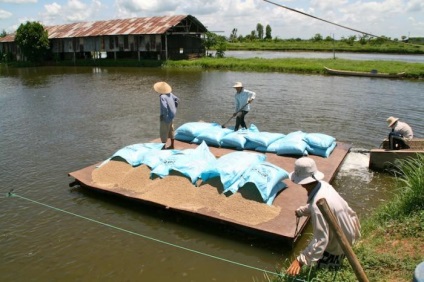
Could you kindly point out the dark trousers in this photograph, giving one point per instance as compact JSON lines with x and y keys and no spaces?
{"x":330,"y":261}
{"x":396,"y":141}
{"x":240,"y":120}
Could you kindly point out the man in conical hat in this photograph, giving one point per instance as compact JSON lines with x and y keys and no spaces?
{"x":400,"y":135}
{"x":243,"y":98}
{"x":168,"y":110}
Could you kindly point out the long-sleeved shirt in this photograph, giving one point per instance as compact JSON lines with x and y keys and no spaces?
{"x":324,"y":239}
{"x":404,"y":129}
{"x":168,"y":107}
{"x":242,"y":98}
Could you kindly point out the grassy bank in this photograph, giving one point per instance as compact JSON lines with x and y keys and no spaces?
{"x":328,"y":46}
{"x":299,"y":65}
{"x":392,"y":240}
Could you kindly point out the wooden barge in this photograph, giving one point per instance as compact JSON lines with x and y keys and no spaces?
{"x":242,"y":211}
{"x":364,"y":74}
{"x":383,"y":158}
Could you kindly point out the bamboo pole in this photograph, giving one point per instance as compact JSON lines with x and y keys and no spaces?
{"x":341,"y":238}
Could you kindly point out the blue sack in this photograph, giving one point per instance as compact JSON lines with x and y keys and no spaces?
{"x":189,"y":162}
{"x":154,"y":158}
{"x":234,"y":139}
{"x":182,"y":137}
{"x":191,"y":130}
{"x":323,"y":152}
{"x":293,"y":144}
{"x":267,"y":178}
{"x":230,"y":167}
{"x":237,"y":139}
{"x":319,"y":140}
{"x":134,"y":154}
{"x":263,"y":138}
{"x":212,"y":136}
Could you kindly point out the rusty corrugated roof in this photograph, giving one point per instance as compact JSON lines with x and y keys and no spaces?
{"x":8,"y":38}
{"x":148,"y":25}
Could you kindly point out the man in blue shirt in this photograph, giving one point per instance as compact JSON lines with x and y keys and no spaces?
{"x":243,"y":98}
{"x":168,"y":110}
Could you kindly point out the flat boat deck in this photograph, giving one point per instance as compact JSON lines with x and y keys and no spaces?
{"x":240,"y":211}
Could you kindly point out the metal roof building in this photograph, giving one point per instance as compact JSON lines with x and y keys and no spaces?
{"x":161,"y":37}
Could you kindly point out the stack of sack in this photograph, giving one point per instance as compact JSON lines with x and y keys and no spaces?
{"x":296,"y":143}
{"x":235,"y":169}
{"x":320,"y":144}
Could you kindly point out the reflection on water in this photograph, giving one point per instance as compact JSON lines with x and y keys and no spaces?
{"x":57,"y":120}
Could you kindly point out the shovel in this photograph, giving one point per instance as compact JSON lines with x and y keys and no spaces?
{"x":223,"y":126}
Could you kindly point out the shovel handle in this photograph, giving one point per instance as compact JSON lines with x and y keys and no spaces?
{"x":223,"y":126}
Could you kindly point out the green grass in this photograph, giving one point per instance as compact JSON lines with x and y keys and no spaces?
{"x":326,"y":46}
{"x":299,"y":65}
{"x":392,"y":240}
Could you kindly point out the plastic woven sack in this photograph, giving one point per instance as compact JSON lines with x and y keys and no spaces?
{"x":134,"y":154}
{"x":267,"y":178}
{"x":323,"y":152}
{"x":319,"y":140}
{"x":212,"y":136}
{"x":293,"y":144}
{"x":189,"y":162}
{"x":230,"y":167}
{"x":193,"y":129}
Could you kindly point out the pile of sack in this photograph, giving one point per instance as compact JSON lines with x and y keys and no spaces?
{"x":235,"y":169}
{"x":297,"y":143}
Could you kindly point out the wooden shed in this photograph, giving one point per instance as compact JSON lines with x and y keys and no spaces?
{"x":162,"y":38}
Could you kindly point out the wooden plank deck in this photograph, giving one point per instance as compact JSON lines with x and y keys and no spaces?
{"x":281,"y":222}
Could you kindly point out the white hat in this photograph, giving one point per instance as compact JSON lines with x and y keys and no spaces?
{"x":238,"y":84}
{"x":162,"y":87}
{"x":305,"y":171}
{"x":391,"y":121}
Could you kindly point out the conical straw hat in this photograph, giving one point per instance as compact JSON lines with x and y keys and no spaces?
{"x":391,"y":121}
{"x":162,"y":87}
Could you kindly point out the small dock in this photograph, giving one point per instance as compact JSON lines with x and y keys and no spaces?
{"x":383,"y":158}
{"x":243,"y":210}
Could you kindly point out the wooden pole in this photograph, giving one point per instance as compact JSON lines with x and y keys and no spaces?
{"x":341,"y":238}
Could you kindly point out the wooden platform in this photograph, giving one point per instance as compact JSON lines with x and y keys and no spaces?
{"x":282,"y":223}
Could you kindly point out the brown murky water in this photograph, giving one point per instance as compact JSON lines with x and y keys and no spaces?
{"x":57,"y":120}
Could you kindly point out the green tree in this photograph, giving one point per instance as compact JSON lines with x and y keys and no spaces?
{"x":252,"y":35}
{"x":329,"y":38}
{"x":260,"y":31}
{"x":214,"y":40}
{"x":233,"y":35}
{"x":221,"y":47}
{"x":210,"y":41}
{"x":3,"y":33}
{"x":33,"y":40}
{"x":317,"y":37}
{"x":268,"y":32}
{"x":363,"y":39}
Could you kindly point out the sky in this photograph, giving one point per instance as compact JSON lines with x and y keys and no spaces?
{"x":390,"y":18}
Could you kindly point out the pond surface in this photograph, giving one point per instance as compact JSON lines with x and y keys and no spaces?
{"x":326,"y":55}
{"x":57,"y":120}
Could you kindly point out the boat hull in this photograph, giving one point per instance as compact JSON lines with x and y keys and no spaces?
{"x":363,"y":74}
{"x":383,"y":159}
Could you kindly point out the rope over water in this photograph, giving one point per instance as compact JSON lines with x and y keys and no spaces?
{"x":339,"y":25}
{"x":10,"y":194}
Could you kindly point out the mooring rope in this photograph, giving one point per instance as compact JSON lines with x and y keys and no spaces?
{"x":11,"y":194}
{"x":336,"y":24}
